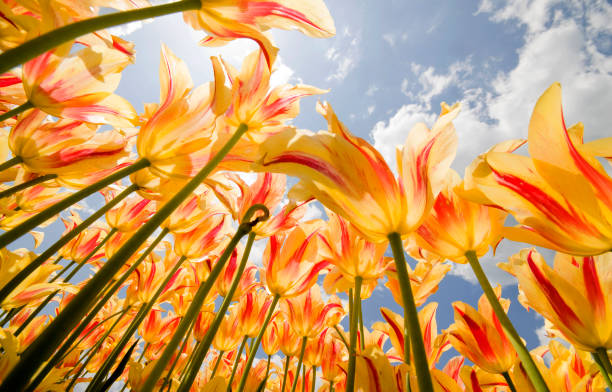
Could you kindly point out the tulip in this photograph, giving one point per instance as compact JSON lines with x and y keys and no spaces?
{"x":573,"y":295}
{"x":178,"y":135}
{"x":456,"y":226}
{"x":560,"y":194}
{"x":66,"y":148}
{"x":130,"y":214}
{"x":227,"y":21}
{"x":79,"y":86}
{"x":435,"y":344}
{"x":479,"y":336}
{"x":268,"y":189}
{"x":289,"y":266}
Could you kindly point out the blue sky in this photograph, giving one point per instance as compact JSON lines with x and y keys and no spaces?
{"x":393,"y":62}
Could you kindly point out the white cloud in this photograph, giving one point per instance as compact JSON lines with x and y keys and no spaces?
{"x":565,"y":54}
{"x":282,"y":73}
{"x":389,"y":38}
{"x":129,"y":28}
{"x":371,"y":90}
{"x":389,"y":134}
{"x":345,"y":55}
{"x":429,"y":84}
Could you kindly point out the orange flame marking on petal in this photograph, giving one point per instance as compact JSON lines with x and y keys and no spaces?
{"x":554,"y":298}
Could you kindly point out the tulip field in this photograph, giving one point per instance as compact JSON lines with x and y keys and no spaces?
{"x":200,"y":268}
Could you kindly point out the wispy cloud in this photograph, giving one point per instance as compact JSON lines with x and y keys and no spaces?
{"x":345,"y":55}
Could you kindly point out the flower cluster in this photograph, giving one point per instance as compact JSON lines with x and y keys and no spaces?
{"x":178,"y":300}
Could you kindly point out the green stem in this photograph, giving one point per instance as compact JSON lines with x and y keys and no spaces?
{"x":509,"y":381}
{"x":199,"y":297}
{"x":217,"y":363}
{"x":299,"y":364}
{"x":37,"y":46}
{"x":342,"y":336}
{"x":100,"y":304}
{"x":604,"y":364}
{"x":314,"y":378}
{"x":25,"y":185}
{"x":286,"y":372}
{"x":67,"y":279}
{"x":351,"y":306}
{"x":200,"y":353}
{"x":249,"y":363}
{"x":168,"y":378}
{"x":268,"y":367}
{"x":46,"y":343}
{"x":127,"y":334}
{"x":354,"y":316}
{"x":331,"y":386}
{"x":190,"y":315}
{"x":304,"y":378}
{"x":530,"y":367}
{"x":94,"y":349}
{"x":33,"y":315}
{"x":361,"y":332}
{"x":38,"y":261}
{"x":13,"y":112}
{"x":59,"y":274}
{"x":119,"y":369}
{"x":412,"y":327}
{"x":236,"y":362}
{"x":10,"y":163}
{"x":58,"y":207}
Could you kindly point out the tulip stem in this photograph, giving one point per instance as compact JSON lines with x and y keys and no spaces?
{"x":285,"y":373}
{"x":530,"y":367}
{"x":90,"y":316}
{"x":217,"y":363}
{"x":25,"y":185}
{"x":236,"y":362}
{"x":38,"y":261}
{"x":331,"y":386}
{"x":341,"y":337}
{"x":509,"y":381}
{"x":200,"y":295}
{"x":37,"y":46}
{"x":603,"y":361}
{"x":299,"y":364}
{"x":267,"y":368}
{"x":13,"y":112}
{"x":127,"y":334}
{"x":314,"y":378}
{"x":202,"y":349}
{"x":66,"y":280}
{"x":10,"y":163}
{"x":94,"y":349}
{"x":168,"y":378}
{"x":361,"y":334}
{"x":58,"y":207}
{"x":412,"y":328}
{"x":353,"y":317}
{"x":253,"y":352}
{"x":45,"y":344}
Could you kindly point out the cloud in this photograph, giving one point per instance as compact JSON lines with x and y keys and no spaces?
{"x":129,"y":28}
{"x":534,"y":14}
{"x":345,"y":55}
{"x":371,"y":90}
{"x":389,"y":38}
{"x":427,"y":85}
{"x":498,"y":107}
{"x":282,"y":73}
